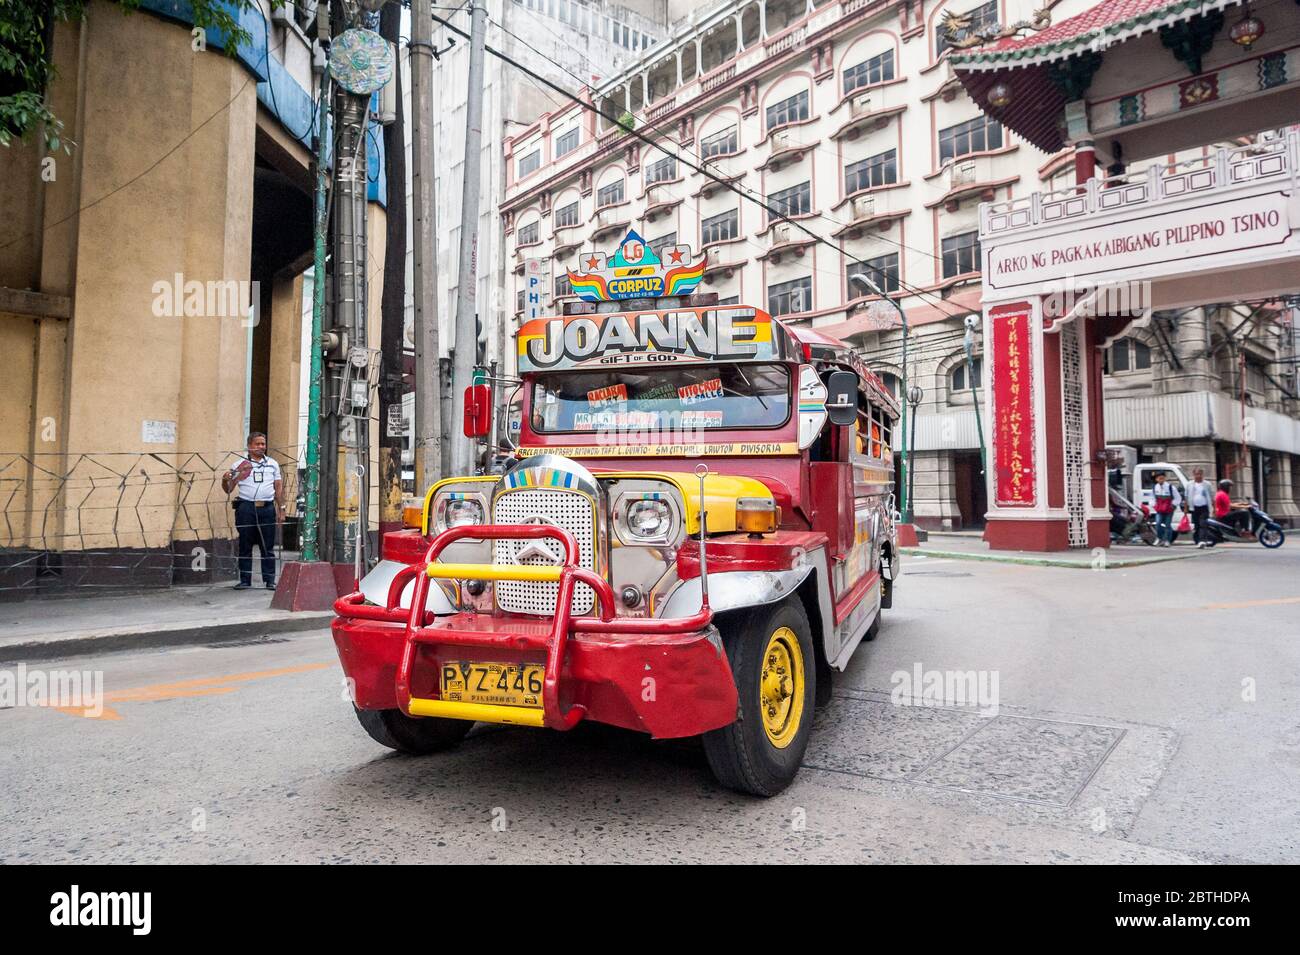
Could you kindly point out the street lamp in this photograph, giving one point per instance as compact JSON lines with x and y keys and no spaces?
{"x":905,"y":498}
{"x":914,"y":395}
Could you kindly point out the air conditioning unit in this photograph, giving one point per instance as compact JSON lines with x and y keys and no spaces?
{"x":864,"y":207}
{"x":961,"y":173}
{"x":318,"y":60}
{"x":283,"y":14}
{"x":861,"y":104}
{"x":781,"y":141}
{"x":781,"y":233}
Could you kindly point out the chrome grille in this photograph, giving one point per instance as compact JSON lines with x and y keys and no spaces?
{"x":565,"y":509}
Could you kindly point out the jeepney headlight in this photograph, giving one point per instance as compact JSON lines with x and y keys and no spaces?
{"x":455,"y":512}
{"x":648,"y":519}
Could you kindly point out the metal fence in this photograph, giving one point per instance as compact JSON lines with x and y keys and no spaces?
{"x":113,"y":521}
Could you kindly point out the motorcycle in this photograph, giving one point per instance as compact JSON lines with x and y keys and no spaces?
{"x":1260,"y":527}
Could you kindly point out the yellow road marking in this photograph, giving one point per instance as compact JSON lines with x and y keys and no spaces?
{"x":208,"y":686}
{"x":1276,"y":601}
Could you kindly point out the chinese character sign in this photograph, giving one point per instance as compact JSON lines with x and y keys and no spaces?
{"x":1013,"y":406}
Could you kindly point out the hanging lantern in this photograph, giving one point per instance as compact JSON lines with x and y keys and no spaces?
{"x":1247,"y":31}
{"x":1000,"y":94}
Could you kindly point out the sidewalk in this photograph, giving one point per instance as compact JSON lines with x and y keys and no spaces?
{"x":44,"y":629}
{"x":969,"y":545}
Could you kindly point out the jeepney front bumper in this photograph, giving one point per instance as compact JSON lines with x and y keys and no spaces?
{"x":669,"y":678}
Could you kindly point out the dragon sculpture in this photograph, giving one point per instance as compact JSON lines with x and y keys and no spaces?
{"x":957,"y":28}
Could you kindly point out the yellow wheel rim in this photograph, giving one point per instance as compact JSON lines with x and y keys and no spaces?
{"x":781,"y":687}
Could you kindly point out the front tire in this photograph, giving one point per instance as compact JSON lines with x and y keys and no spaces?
{"x":412,"y":735}
{"x":1271,"y":536}
{"x":775,"y":669}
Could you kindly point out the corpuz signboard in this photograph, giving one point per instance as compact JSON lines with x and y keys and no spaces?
{"x":1178,"y":235}
{"x":672,"y":336}
{"x":636,"y":271}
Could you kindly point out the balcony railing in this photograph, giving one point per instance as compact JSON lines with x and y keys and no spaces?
{"x":1274,"y":160}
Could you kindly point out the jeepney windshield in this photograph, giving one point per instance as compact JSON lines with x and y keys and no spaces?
{"x":708,"y":397}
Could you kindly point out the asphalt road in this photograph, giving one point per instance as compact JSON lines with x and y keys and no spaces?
{"x":1142,"y":715}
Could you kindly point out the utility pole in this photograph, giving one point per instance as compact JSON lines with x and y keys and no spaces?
{"x":462,"y":458}
{"x":311,"y":515}
{"x":393,"y":305}
{"x":428,"y":425}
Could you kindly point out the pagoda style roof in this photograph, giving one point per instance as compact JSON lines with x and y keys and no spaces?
{"x":1094,"y":30}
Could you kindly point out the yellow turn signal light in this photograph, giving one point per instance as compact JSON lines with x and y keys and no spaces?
{"x":413,"y":516}
{"x":757,"y":515}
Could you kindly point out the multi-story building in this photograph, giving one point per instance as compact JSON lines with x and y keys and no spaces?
{"x":844,"y":116}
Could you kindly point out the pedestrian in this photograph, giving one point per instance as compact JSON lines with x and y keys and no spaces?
{"x":259,"y":508}
{"x":1166,"y":502}
{"x":1200,"y":498}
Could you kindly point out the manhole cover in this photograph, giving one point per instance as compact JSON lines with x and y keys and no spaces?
{"x":1029,"y":760}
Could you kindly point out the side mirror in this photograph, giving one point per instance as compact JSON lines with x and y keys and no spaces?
{"x":842,"y":397}
{"x":478,"y":411}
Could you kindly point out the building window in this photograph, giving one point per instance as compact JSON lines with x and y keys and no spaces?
{"x":795,"y":201}
{"x":961,"y":254}
{"x":530,"y":163}
{"x":527,"y":234}
{"x":661,"y":170}
{"x":878,"y":69}
{"x":1127,"y":354}
{"x":891,"y":382}
{"x":878,"y":170}
{"x":609,"y":195}
{"x":981,"y":18}
{"x":719,"y":144}
{"x":567,"y":142}
{"x":658,"y":245}
{"x":566,"y":216}
{"x":957,"y":380}
{"x":519,"y":301}
{"x":562,"y":285}
{"x":787,"y":111}
{"x":721,"y":227}
{"x":882,"y":271}
{"x":790,"y":298}
{"x":978,"y":135}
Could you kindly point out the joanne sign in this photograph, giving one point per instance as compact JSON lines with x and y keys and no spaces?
{"x":1179,"y":235}
{"x":673,"y":336}
{"x":635,"y":271}
{"x":1013,"y":406}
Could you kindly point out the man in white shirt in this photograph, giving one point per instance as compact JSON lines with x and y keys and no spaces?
{"x":259,"y":508}
{"x":1200,"y":498}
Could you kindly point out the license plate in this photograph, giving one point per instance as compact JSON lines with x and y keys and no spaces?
{"x":501,"y":684}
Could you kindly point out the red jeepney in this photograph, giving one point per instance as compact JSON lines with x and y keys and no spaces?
{"x":697,"y":533}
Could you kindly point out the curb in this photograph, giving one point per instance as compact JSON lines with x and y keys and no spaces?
{"x":84,"y":644}
{"x":1043,"y":561}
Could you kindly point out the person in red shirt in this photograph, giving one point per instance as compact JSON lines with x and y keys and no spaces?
{"x":1225,"y":511}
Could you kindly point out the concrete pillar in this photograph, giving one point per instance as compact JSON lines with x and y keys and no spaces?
{"x":740,"y":39}
{"x":934,"y":505}
{"x":678,"y":57}
{"x":762,"y":19}
{"x":1281,"y":501}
